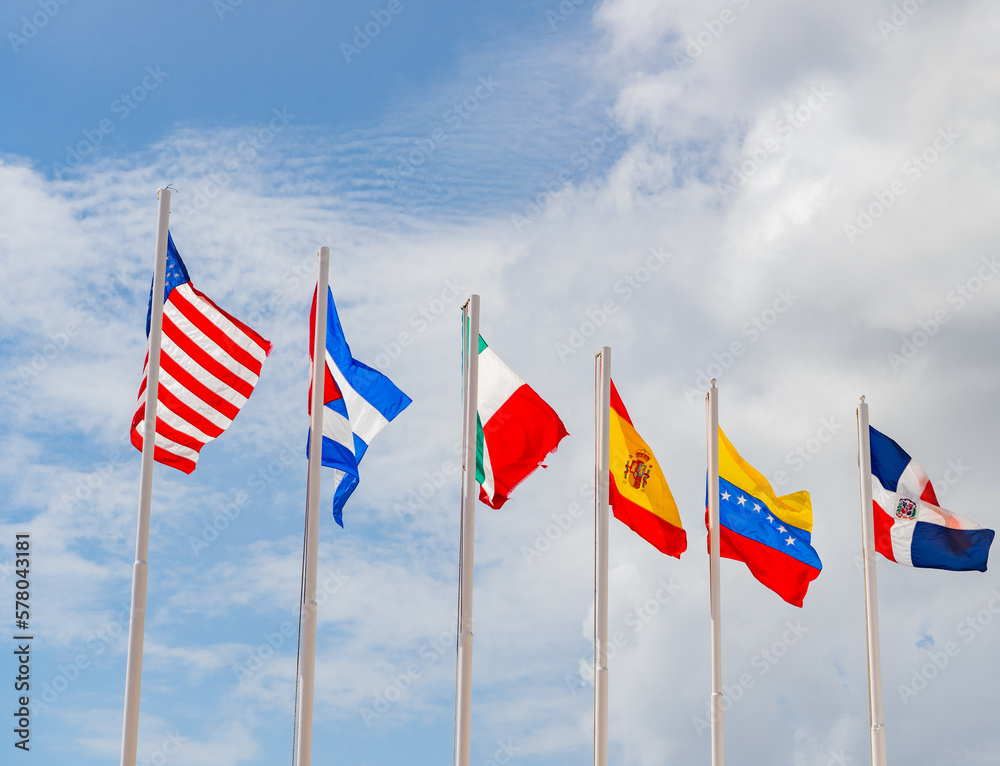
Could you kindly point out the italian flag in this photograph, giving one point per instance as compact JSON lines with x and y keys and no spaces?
{"x":516,"y":429}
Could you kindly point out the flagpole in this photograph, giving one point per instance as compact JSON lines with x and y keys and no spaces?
{"x":871,"y":589}
{"x":712,"y":407}
{"x":140,"y":569}
{"x":307,"y":641}
{"x":463,"y":684}
{"x":601,"y":520}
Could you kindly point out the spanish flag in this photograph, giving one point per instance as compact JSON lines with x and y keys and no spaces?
{"x":639,"y":493}
{"x":772,"y":534}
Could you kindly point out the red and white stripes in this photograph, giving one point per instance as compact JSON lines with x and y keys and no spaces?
{"x":209,"y":365}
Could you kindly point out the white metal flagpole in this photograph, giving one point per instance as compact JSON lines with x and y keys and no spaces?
{"x":601,"y":521}
{"x":307,"y":640}
{"x":871,"y":589}
{"x":463,"y":683}
{"x":140,"y":569}
{"x":712,"y":407}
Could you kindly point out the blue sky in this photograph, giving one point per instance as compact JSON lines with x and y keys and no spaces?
{"x":660,"y":178}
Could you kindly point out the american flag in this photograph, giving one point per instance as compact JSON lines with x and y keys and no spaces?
{"x":209,"y":365}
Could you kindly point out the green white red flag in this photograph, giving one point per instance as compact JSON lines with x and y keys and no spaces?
{"x":516,"y":429}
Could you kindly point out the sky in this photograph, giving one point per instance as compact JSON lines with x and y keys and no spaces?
{"x":792,"y":198}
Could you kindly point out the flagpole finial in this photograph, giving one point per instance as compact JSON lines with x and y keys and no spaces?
{"x":713,"y":382}
{"x":862,"y":398}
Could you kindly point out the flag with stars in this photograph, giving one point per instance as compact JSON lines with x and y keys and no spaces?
{"x":772,"y":534}
{"x":209,"y":364}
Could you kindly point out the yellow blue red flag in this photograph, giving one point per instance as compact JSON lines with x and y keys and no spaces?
{"x":772,"y":534}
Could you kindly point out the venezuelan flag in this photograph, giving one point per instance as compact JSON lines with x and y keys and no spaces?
{"x":639,"y":493}
{"x":771,"y":534}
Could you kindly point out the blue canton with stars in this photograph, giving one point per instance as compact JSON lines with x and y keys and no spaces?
{"x":177,"y":275}
{"x":744,"y":514}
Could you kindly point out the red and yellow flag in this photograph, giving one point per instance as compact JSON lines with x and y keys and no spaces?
{"x":639,"y":494}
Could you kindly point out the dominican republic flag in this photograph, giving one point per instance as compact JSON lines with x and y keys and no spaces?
{"x":516,"y":429}
{"x":209,"y":364}
{"x":910,"y":527}
{"x":358,"y":402}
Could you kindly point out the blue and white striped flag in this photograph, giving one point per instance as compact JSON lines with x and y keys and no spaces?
{"x":358,"y":402}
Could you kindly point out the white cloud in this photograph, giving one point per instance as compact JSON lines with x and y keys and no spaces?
{"x":686,"y":132}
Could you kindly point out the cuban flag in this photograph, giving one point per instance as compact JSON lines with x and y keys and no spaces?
{"x":910,"y":526}
{"x":358,"y":402}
